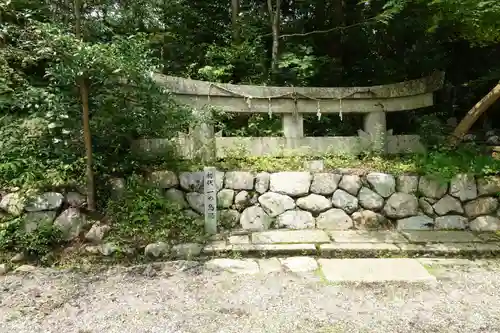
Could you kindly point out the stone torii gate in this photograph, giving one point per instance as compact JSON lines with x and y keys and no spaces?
{"x":292,"y":103}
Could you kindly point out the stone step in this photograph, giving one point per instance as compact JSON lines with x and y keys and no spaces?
{"x":374,"y":270}
{"x":330,"y":270}
{"x":337,"y":244}
{"x":355,"y":250}
{"x":356,"y":244}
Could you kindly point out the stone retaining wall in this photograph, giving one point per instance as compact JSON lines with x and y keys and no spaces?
{"x":334,"y":201}
{"x":295,"y":200}
{"x":53,"y":208}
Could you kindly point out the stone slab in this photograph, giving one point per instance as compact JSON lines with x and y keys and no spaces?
{"x":4,"y":269}
{"x":489,"y":248}
{"x":220,"y":247}
{"x":299,"y":264}
{"x":450,"y":248}
{"x":314,"y":165}
{"x":243,"y":239}
{"x":186,"y":250}
{"x":216,"y":237}
{"x":488,"y":236}
{"x":275,"y":249}
{"x":435,"y":236}
{"x":446,"y":262}
{"x":216,"y":247}
{"x":240,"y":232}
{"x":410,"y":248}
{"x":358,"y":247}
{"x":271,"y":265}
{"x":25,"y":269}
{"x":243,"y":266}
{"x":362,"y":236}
{"x":290,"y":237}
{"x":374,"y":270}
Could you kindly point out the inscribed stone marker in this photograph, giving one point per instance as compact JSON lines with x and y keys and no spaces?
{"x":210,"y":201}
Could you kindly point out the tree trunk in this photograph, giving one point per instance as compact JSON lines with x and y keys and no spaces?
{"x":84,"y":95}
{"x":2,"y":37}
{"x":474,"y":113}
{"x":274,"y":16}
{"x":235,"y":12}
{"x":67,"y":12}
{"x":337,"y":41}
{"x":165,"y":47}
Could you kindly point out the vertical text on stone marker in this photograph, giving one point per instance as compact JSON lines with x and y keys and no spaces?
{"x":210,"y":200}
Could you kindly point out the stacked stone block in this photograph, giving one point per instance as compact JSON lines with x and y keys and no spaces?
{"x":334,"y":201}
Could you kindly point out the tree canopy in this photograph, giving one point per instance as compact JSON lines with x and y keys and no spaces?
{"x":280,"y":42}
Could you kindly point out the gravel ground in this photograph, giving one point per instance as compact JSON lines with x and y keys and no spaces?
{"x":183,"y":297}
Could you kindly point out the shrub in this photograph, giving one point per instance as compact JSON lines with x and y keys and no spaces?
{"x":39,"y":242}
{"x":143,"y":215}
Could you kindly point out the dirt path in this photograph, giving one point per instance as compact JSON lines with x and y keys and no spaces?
{"x":185,"y":297}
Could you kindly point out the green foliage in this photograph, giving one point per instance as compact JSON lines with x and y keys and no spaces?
{"x":445,"y":163}
{"x":30,"y":156}
{"x":253,"y":125}
{"x":227,"y":63}
{"x":440,"y":163}
{"x":298,"y":66}
{"x":475,"y":20}
{"x":39,"y":242}
{"x":43,"y":60}
{"x":383,"y":42}
{"x":432,"y":131}
{"x":143,"y":215}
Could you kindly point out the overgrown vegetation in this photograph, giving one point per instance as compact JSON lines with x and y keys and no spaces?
{"x":38,"y":243}
{"x":442,"y":164}
{"x":41,"y":62}
{"x":142,"y":216}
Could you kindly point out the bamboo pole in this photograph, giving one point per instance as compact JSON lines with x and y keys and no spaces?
{"x":473,"y":114}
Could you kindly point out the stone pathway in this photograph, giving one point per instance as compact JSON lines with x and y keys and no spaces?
{"x":355,"y":243}
{"x":331,"y":270}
